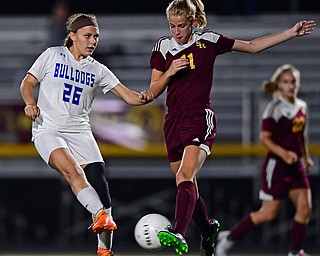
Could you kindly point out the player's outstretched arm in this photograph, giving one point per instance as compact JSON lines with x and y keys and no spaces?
{"x":259,"y":44}
{"x":132,"y":97}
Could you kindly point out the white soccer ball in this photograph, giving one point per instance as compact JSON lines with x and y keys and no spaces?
{"x":146,"y":231}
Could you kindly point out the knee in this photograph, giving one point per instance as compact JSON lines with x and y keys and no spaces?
{"x":184,"y":175}
{"x":263,"y":216}
{"x":180,"y":177}
{"x":303,"y":212}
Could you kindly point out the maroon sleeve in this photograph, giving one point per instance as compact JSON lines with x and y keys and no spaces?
{"x":268,"y":124}
{"x":224,"y":44}
{"x":157,"y":61}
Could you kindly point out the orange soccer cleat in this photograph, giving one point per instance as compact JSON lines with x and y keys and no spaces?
{"x":103,"y":223}
{"x":104,"y":252}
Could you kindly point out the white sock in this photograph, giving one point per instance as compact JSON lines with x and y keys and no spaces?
{"x":105,"y":238}
{"x":89,"y":198}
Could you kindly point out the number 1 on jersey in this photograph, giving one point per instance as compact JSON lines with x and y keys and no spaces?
{"x":191,"y":60}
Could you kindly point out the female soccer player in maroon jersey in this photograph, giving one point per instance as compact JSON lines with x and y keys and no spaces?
{"x":283,"y":173}
{"x":183,"y":64}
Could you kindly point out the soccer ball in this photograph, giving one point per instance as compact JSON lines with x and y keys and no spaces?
{"x":146,"y":231}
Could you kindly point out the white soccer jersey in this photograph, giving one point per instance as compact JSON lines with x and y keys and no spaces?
{"x":67,"y":89}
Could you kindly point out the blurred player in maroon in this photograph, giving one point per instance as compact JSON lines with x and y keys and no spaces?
{"x":285,"y":167}
{"x":183,"y":65}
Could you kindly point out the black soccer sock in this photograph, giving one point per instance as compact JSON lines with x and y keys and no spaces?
{"x":96,"y":176}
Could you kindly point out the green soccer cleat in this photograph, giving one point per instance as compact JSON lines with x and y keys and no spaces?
{"x":168,"y":237}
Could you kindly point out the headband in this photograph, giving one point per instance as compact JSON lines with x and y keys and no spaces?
{"x":80,"y":23}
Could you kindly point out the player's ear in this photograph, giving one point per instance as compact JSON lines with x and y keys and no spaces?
{"x":72,"y":36}
{"x":194,"y":22}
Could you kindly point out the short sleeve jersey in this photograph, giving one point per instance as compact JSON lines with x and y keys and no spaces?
{"x":286,"y":122}
{"x":190,"y":88}
{"x":67,"y":89}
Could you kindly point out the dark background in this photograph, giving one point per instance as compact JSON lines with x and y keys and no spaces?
{"x":53,"y":220}
{"x":226,"y":7}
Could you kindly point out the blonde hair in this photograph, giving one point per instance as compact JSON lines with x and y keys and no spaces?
{"x":191,"y":9}
{"x":73,"y":18}
{"x":271,"y":86}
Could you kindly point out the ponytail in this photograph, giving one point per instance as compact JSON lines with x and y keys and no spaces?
{"x":200,"y":14}
{"x":269,"y":87}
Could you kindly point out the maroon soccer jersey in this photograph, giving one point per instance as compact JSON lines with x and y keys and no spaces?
{"x":190,"y":88}
{"x":286,"y":122}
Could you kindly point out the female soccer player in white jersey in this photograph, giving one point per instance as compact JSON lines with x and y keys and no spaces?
{"x":183,"y":64}
{"x":68,"y":78}
{"x":285,"y":167}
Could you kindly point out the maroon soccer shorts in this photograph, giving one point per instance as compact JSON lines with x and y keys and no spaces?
{"x":278,"y":178}
{"x":189,"y":127}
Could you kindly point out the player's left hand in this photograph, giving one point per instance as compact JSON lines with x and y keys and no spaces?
{"x":304,"y":27}
{"x":146,"y":96}
{"x":308,"y":163}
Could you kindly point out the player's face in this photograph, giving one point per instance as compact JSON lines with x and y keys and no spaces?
{"x":85,"y":41}
{"x":180,"y":28}
{"x":288,"y":86}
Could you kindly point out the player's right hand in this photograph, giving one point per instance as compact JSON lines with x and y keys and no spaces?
{"x":290,"y":157}
{"x":32,"y":111}
{"x":177,"y":65}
